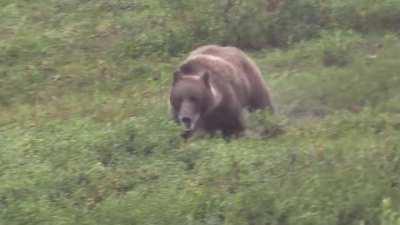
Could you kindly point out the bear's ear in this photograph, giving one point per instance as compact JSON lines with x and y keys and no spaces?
{"x":206,"y":78}
{"x":177,"y":75}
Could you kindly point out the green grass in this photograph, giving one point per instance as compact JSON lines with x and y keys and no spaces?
{"x":336,"y":170}
{"x":86,"y":136}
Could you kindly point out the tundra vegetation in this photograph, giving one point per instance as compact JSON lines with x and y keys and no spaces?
{"x":86,"y":138}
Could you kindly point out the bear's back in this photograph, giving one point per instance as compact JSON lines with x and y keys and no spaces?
{"x":238,"y":59}
{"x":229,"y":54}
{"x":235,"y":67}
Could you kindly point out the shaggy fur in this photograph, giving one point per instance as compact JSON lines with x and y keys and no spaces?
{"x":212,"y":87}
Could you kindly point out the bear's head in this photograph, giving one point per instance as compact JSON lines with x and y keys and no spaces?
{"x":192,"y":97}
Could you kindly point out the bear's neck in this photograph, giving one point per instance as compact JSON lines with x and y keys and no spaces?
{"x":216,"y":98}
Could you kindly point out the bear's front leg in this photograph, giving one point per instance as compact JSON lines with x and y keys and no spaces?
{"x":235,"y":128}
{"x":187,"y":134}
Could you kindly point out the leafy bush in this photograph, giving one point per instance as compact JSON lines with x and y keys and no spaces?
{"x":389,"y":215}
{"x":259,"y":23}
{"x":351,"y":84}
{"x":247,"y":24}
{"x":365,"y":15}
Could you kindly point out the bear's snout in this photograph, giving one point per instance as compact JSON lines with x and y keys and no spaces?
{"x":187,"y":122}
{"x":188,"y":115}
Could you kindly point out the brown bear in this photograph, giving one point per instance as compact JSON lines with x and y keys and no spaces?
{"x":213,"y":86}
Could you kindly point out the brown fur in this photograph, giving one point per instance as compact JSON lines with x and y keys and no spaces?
{"x":212,"y":87}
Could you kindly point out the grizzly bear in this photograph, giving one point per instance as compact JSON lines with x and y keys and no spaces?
{"x":213,"y":86}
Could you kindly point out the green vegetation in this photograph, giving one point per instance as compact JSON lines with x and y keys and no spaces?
{"x":86,"y":136}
